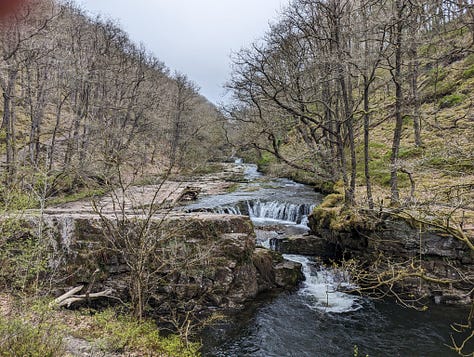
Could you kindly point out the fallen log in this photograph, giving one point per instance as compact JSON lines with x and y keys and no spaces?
{"x":70,"y":297}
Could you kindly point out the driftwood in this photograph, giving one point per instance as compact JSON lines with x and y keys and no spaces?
{"x":189,"y":194}
{"x":70,"y":297}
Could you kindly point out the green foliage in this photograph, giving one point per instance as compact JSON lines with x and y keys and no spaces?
{"x":451,"y":100}
{"x":15,"y":199}
{"x":23,"y":257}
{"x":407,"y":120}
{"x":41,"y":338}
{"x":120,"y":333}
{"x":265,"y":160}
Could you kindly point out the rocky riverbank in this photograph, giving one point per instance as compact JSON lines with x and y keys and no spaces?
{"x":222,"y":269}
{"x":391,"y":252}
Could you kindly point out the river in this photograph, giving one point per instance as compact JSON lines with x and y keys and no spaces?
{"x":317,"y":319}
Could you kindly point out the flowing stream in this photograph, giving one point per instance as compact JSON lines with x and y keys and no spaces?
{"x":318,"y":319}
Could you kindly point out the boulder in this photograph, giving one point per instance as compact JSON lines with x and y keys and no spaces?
{"x":288,"y":274}
{"x":299,"y":244}
{"x":273,"y":271}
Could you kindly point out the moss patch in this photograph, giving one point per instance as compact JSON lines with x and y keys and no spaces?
{"x":451,"y":100}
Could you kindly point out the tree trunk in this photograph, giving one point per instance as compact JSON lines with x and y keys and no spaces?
{"x":9,"y":124}
{"x":368,"y":183}
{"x":416,"y":104}
{"x":396,"y":77}
{"x":349,"y":124}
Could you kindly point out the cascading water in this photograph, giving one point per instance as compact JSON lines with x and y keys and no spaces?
{"x":227,"y":210}
{"x":319,"y":319}
{"x":322,"y":288}
{"x":279,"y":211}
{"x":273,"y":212}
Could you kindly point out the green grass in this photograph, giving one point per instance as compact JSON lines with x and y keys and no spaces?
{"x":119,"y":333}
{"x":410,"y":152}
{"x":450,"y":164}
{"x":437,"y":74}
{"x":469,"y":72}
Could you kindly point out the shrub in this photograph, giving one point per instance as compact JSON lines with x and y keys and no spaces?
{"x":23,"y":255}
{"x":19,"y":338}
{"x":265,"y":160}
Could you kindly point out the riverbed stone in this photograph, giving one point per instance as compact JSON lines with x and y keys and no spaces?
{"x":288,"y":274}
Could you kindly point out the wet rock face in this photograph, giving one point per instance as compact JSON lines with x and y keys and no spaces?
{"x":442,"y":256}
{"x":275,"y":272}
{"x":207,"y":259}
{"x":299,"y":244}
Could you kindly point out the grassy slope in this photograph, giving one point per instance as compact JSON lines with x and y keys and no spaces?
{"x":446,"y":159}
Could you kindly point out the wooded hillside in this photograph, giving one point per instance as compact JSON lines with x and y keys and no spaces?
{"x":79,"y":99}
{"x":377,"y":94}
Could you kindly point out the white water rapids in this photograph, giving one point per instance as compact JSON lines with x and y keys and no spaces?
{"x":281,"y":207}
{"x":322,"y":287}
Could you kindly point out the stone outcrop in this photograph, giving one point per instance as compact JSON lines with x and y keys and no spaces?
{"x":206,"y":259}
{"x":275,"y":272}
{"x":299,"y":244}
{"x":377,"y":238}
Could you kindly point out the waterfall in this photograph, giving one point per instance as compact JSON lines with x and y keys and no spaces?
{"x":227,"y":210}
{"x":268,"y":211}
{"x":280,"y":211}
{"x":322,"y":287}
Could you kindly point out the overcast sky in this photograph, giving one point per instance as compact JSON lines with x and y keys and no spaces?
{"x":195,"y":37}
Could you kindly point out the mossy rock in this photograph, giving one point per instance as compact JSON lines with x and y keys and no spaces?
{"x":332,"y":200}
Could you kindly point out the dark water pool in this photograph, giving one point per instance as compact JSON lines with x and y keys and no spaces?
{"x":286,"y":326}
